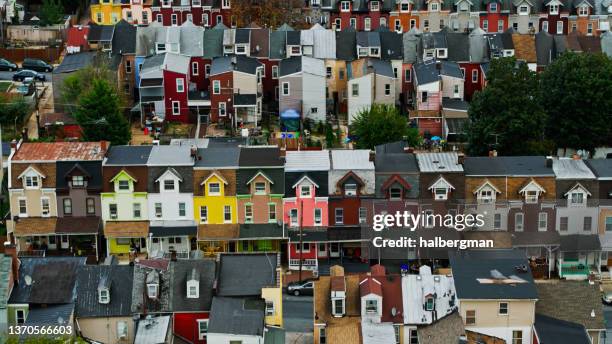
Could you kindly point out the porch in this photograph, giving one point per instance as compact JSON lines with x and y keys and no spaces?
{"x":172,"y":238}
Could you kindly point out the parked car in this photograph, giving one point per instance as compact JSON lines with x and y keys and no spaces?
{"x":305,"y":287}
{"x":24,"y":74}
{"x":7,"y":65}
{"x":607,"y":298}
{"x":36,"y":65}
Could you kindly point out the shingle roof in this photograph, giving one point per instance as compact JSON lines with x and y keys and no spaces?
{"x":120,"y":278}
{"x":234,"y":63}
{"x":470,"y":266}
{"x":181,"y":271}
{"x":243,"y":36}
{"x":451,"y":69}
{"x":439,"y":162}
{"x":213,"y":42}
{"x":391,"y":45}
{"x":191,"y":39}
{"x":299,"y":161}
{"x":260,"y":157}
{"x":237,"y":316}
{"x":458,"y":47}
{"x":124,"y":39}
{"x":412,"y":45}
{"x":225,"y":157}
{"x":346,"y":43}
{"x":580,"y":243}
{"x":358,"y":159}
{"x":59,"y":151}
{"x":170,"y":155}
{"x":278,"y":40}
{"x":74,"y":62}
{"x":98,"y":33}
{"x":601,"y":167}
{"x":261,"y":230}
{"x":571,"y":301}
{"x":5,"y":275}
{"x":524,"y":47}
{"x":426,"y":73}
{"x":444,"y":331}
{"x":260,"y":42}
{"x":128,"y":155}
{"x":507,"y":166}
{"x":551,"y":330}
{"x":246,"y":274}
{"x":572,"y":169}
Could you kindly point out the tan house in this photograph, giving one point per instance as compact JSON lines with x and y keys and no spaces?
{"x":103,"y":308}
{"x":496,"y":293}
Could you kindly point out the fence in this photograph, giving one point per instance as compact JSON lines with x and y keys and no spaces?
{"x":47,"y":54}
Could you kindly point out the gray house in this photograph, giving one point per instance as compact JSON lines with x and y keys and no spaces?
{"x":302,"y":87}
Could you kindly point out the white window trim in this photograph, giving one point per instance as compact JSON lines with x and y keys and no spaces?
{"x":202,"y":220}
{"x":176,"y":102}
{"x":283,"y":89}
{"x":180,"y":85}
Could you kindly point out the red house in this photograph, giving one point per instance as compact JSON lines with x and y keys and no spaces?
{"x":204,"y":13}
{"x":360,"y":15}
{"x":554,"y":18}
{"x":176,"y":73}
{"x":494,"y":18}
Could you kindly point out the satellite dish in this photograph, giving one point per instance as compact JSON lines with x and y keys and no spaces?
{"x":28,"y":279}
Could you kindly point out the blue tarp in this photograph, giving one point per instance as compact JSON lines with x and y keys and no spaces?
{"x":290,"y":114}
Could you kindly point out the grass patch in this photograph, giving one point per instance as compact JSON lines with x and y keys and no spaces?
{"x":5,"y":85}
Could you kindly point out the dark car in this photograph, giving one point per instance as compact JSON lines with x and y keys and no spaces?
{"x":36,"y":65}
{"x":305,"y":287}
{"x":7,"y":65}
{"x":24,"y":74}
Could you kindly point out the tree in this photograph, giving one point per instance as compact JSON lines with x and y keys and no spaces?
{"x":506,"y":115}
{"x":381,"y":124}
{"x":267,"y":13}
{"x":51,"y":12}
{"x":576,"y":93}
{"x":13,"y":111}
{"x":99,"y":114}
{"x":79,"y":82}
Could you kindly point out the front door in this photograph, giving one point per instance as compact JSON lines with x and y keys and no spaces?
{"x":334,"y":250}
{"x":65,"y":242}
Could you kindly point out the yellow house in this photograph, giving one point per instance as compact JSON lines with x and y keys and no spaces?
{"x":106,"y":12}
{"x":214,"y":205}
{"x":274,"y":296}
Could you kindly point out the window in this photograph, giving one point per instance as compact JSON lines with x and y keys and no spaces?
{"x":31,"y":182}
{"x":128,"y":66}
{"x":271,"y":212}
{"x":227,"y":213}
{"x":91,"y":206}
{"x":103,"y":296}
{"x":122,"y":330}
{"x":531,"y":196}
{"x":305,"y":190}
{"x":176,"y":107}
{"x":100,"y":17}
{"x":586,"y":225}
{"x":474,"y":75}
{"x":168,"y":184}
{"x":318,"y":220}
{"x":395,"y":193}
{"x":158,"y":18}
{"x":545,"y":26}
{"x":413,"y":336}
{"x":67,"y":206}
{"x":524,"y":9}
{"x":412,"y":23}
{"x":433,"y":7}
{"x":20,"y":316}
{"x":374,"y":5}
{"x":559,"y":27}
{"x":355,"y":90}
{"x":285,"y":88}
{"x":274,"y":72}
{"x":203,"y":214}
{"x":424,"y":97}
{"x":314,"y":110}
{"x":293,"y":217}
{"x":503,"y":308}
{"x":124,"y":185}
{"x":589,"y":28}
{"x":269,"y":308}
{"x":518,"y":222}
{"x":248,"y":213}
{"x":486,"y":196}
{"x":44,"y":207}
{"x":216,"y":86}
{"x":362,"y":52}
{"x":387,"y":89}
{"x":322,"y":335}
{"x":182,"y":209}
{"x":396,"y":330}
{"x":404,"y":7}
{"x":542,"y":221}
{"x":398,"y":25}
{"x":371,"y":306}
{"x":296,"y":50}
{"x":112,"y":210}
{"x":517,"y":337}
{"x":180,"y":85}
{"x":260,"y":188}
{"x":136,"y":210}
{"x":408,"y":75}
{"x":426,"y":24}
{"x":338,"y":308}
{"x":222,"y":109}
{"x":497,"y":221}
{"x":345,"y":6}
{"x":202,"y":328}
{"x":470,"y":317}
{"x":583,"y":11}
{"x":174,"y":19}
{"x":493,"y":7}
{"x":152,"y":290}
{"x":195,"y":68}
{"x":374,"y":52}
{"x":205,"y":19}
{"x":240,"y":50}
{"x":328,"y":72}
{"x":158,"y":210}
{"x":500,"y":26}
{"x":429,"y":218}
{"x":608,"y":223}
{"x":563,"y":223}
{"x":456,"y":91}
{"x":367,"y":24}
{"x":485,"y":25}
{"x":441,"y":193}
{"x":339,"y":216}
{"x":554,"y":9}
{"x":226,"y":4}
{"x":219,"y":18}
{"x":577,"y":198}
{"x":362,"y":215}
{"x":350,"y":189}
{"x":429,"y":304}
{"x":214,"y":189}
{"x":341,"y":74}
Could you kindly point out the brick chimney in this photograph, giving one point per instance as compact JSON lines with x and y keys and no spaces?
{"x":10,"y":249}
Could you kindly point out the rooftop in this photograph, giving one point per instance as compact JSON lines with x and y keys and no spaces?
{"x":237,"y":316}
{"x":358,"y":159}
{"x":170,"y":155}
{"x":301,"y":161}
{"x":60,"y":151}
{"x":417,"y":288}
{"x":118,"y":277}
{"x":439,"y":162}
{"x":572,"y":169}
{"x":128,"y":155}
{"x":246,"y":274}
{"x":574,"y":301}
{"x":515,"y":166}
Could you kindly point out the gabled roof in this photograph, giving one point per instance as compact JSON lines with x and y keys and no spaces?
{"x":324,"y":43}
{"x":278,"y":40}
{"x":213,"y":42}
{"x":100,"y":33}
{"x":170,"y":155}
{"x":237,"y":316}
{"x":552,"y":330}
{"x":577,"y":186}
{"x":243,"y":275}
{"x":301,"y":64}
{"x":351,"y":159}
{"x":191,"y":39}
{"x":260,"y":42}
{"x":305,"y":179}
{"x":214,"y":174}
{"x":30,"y":169}
{"x":237,"y":63}
{"x":172,"y":172}
{"x":532,"y":186}
{"x":60,"y":151}
{"x":441,"y":183}
{"x":346,"y":43}
{"x":492,"y":275}
{"x":601,"y":167}
{"x":391,"y":45}
{"x":368,"y":39}
{"x":182,"y":271}
{"x":77,"y":36}
{"x":395,"y":179}
{"x":370,"y":285}
{"x":488,"y":184}
{"x":426,"y":73}
{"x":263,"y":175}
{"x":458,"y":46}
{"x":119,"y":279}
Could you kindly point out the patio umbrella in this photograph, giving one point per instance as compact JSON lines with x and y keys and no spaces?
{"x":436,"y":138}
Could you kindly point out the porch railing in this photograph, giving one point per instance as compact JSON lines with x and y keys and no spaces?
{"x":32,"y":253}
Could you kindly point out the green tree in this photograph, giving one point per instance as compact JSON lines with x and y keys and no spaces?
{"x":13,"y":110}
{"x":79,"y":82}
{"x":381,"y":124}
{"x":576,"y":93}
{"x":507,"y":115}
{"x":51,"y":12}
{"x":99,"y":114}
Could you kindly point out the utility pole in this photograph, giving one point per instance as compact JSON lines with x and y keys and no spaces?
{"x":301,"y":237}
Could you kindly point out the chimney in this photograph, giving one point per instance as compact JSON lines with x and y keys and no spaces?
{"x":460,"y":158}
{"x":103,"y":145}
{"x":10,"y":249}
{"x":549,"y":161}
{"x":372,"y":155}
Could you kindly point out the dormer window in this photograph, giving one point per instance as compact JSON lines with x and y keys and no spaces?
{"x":152,"y":283}
{"x":441,"y":53}
{"x":375,"y":52}
{"x":464,"y":7}
{"x":350,"y":189}
{"x":374,"y":6}
{"x":124,"y":185}
{"x":371,"y":306}
{"x":214,"y":189}
{"x":486,"y":193}
{"x":296,"y":50}
{"x":305,"y":190}
{"x":531,"y":196}
{"x":523,"y":9}
{"x":532,"y":192}
{"x":240,"y":50}
{"x":441,"y":189}
{"x":395,"y":194}
{"x":31,"y":182}
{"x":345,"y":6}
{"x":583,"y":11}
{"x":166,"y":3}
{"x":226,"y":4}
{"x":577,"y":196}
{"x":429,"y":304}
{"x":103,"y":296}
{"x":404,"y":7}
{"x":78,"y":181}
{"x":434,"y":7}
{"x":260,"y":188}
{"x":361,"y":52}
{"x":168,"y":185}
{"x":193,"y":287}
{"x":152,"y":291}
{"x":493,"y":7}
{"x":554,"y":9}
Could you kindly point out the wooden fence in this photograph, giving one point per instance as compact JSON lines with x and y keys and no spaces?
{"x":48,"y":54}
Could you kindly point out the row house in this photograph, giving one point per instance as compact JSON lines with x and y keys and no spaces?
{"x":357,"y":15}
{"x":602,"y":168}
{"x":124,"y":49}
{"x":54,"y":195}
{"x":370,"y":81}
{"x":105,"y":12}
{"x":137,"y":12}
{"x":306,"y":206}
{"x":302,"y":88}
{"x":125,"y":206}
